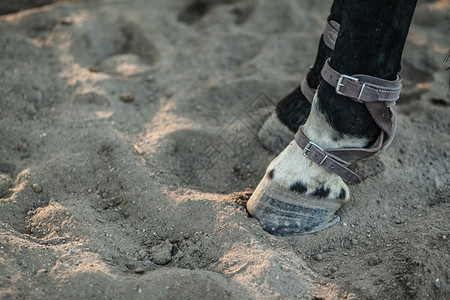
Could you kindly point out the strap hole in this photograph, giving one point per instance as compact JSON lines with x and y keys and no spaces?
{"x":315,"y":155}
{"x":332,"y":166}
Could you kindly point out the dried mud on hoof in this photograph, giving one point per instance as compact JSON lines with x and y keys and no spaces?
{"x":284,"y":213}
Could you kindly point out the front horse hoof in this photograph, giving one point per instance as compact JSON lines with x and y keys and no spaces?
{"x":274,"y":135}
{"x":282,"y":212}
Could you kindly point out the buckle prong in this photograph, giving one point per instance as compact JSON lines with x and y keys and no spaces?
{"x":340,"y":84}
{"x":308,"y":148}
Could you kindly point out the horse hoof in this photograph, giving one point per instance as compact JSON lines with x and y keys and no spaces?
{"x":282,"y":212}
{"x":274,"y":135}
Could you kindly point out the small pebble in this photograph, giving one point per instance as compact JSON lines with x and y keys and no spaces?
{"x":31,"y":110}
{"x":138,"y":150}
{"x":142,"y":253}
{"x":127,"y":97}
{"x":149,"y":78}
{"x":162,"y":254}
{"x":139,"y":270}
{"x":41,"y":272}
{"x":66,"y":21}
{"x":444,"y":237}
{"x":130,"y":264}
{"x":36,"y":188}
{"x":351,"y":296}
{"x":93,"y":69}
{"x":318,"y":257}
{"x":22,"y":147}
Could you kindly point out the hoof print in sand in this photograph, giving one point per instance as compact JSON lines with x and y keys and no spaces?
{"x":196,"y":10}
{"x":206,"y":160}
{"x":109,"y":51}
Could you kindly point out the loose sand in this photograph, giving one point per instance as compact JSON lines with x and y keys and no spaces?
{"x":128,"y":150}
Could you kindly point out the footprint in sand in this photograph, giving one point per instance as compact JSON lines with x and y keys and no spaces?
{"x":196,"y":10}
{"x":112,"y":45}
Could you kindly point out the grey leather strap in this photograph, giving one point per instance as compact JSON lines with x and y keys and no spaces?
{"x":363,"y":88}
{"x":325,"y":159}
{"x":329,"y":37}
{"x":330,"y":33}
{"x":378,"y":95}
{"x":336,"y":160}
{"x":307,"y":91}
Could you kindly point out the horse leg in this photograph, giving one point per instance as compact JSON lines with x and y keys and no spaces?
{"x":293,"y":109}
{"x":298,"y":194}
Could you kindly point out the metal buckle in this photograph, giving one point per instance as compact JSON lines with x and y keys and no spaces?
{"x":308,"y":148}
{"x":340,"y":84}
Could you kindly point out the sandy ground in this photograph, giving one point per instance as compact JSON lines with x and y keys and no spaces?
{"x":128,"y":150}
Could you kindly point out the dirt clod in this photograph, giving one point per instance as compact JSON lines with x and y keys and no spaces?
{"x":162,"y":254}
{"x":37,"y":188}
{"x":138,"y":150}
{"x":66,"y":21}
{"x":127,"y":97}
{"x":31,"y":110}
{"x":318,"y":257}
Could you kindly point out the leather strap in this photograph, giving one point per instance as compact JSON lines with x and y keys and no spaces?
{"x":329,"y":37}
{"x":325,"y":159}
{"x":330,"y":33}
{"x":307,"y":91}
{"x":337,"y":160}
{"x":378,"y":95}
{"x":363,"y":88}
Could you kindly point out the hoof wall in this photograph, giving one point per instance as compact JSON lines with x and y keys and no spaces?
{"x":282,"y":212}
